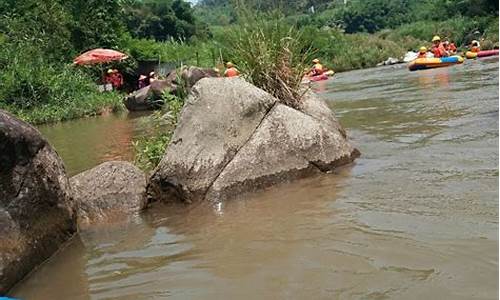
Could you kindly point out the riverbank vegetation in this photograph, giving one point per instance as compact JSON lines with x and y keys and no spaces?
{"x":150,"y":148}
{"x":39,"y":39}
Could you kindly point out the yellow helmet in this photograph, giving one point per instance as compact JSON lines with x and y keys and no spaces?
{"x":436,"y":38}
{"x":229,"y":64}
{"x":110,"y":71}
{"x":316,"y":61}
{"x":423,"y":49}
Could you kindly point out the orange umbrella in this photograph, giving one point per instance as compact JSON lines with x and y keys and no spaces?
{"x":98,"y":56}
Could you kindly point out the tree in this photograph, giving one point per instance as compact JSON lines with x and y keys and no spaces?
{"x":98,"y":23}
{"x":160,"y":19}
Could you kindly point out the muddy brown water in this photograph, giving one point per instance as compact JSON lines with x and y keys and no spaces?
{"x":416,"y":217}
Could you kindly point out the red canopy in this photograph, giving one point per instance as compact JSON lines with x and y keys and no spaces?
{"x":97,"y":56}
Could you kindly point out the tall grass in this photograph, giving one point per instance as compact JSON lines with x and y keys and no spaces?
{"x":270,"y":54}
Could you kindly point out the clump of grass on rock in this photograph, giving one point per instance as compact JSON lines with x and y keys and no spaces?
{"x":271,"y":54}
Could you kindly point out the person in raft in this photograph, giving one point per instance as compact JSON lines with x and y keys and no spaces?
{"x":474,"y":46}
{"x":422,"y":52}
{"x":438,"y":48}
{"x":317,"y":68}
{"x":450,"y":47}
{"x":231,"y":70}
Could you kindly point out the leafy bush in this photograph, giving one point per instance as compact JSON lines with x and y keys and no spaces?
{"x":38,"y":91}
{"x":160,"y":20}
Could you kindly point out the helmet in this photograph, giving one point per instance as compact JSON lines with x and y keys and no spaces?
{"x":474,"y":42}
{"x":423,"y":49}
{"x":316,"y":61}
{"x":142,"y":77}
{"x":229,"y":64}
{"x":436,"y":38}
{"x":110,"y":71}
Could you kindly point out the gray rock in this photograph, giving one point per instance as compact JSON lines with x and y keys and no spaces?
{"x":287,"y":145}
{"x":233,"y":137}
{"x":110,"y":191}
{"x":217,"y":120}
{"x":36,"y":213}
{"x":148,"y":97}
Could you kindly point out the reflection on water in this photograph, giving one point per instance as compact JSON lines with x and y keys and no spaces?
{"x":416,"y":216}
{"x":84,"y":143}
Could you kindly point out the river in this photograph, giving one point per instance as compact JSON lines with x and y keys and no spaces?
{"x":415,"y":217}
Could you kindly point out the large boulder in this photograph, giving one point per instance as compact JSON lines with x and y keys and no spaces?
{"x":36,"y":214}
{"x":233,"y":137}
{"x":111,"y":191}
{"x":217,"y":120}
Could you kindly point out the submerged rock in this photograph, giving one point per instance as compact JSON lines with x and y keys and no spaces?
{"x":233,"y":137}
{"x":110,"y":191}
{"x":36,"y":215}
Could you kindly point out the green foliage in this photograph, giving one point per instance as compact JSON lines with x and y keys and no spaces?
{"x":199,"y":53}
{"x":270,"y":54}
{"x":161,"y":20}
{"x":150,"y":148}
{"x":39,"y":92}
{"x":462,"y":30}
{"x":346,"y":52}
{"x":371,"y":16}
{"x":40,"y":25}
{"x":97,"y":23}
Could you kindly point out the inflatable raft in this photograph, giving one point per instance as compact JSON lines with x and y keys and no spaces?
{"x":321,"y":77}
{"x":429,"y":63}
{"x":484,"y":53}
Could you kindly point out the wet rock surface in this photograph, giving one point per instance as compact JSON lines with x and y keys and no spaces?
{"x":36,"y":213}
{"x":233,"y":137}
{"x":109,"y":192}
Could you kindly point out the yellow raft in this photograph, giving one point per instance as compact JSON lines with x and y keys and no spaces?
{"x":429,"y":63}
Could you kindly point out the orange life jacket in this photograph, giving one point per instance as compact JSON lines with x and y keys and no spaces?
{"x":439,"y":51}
{"x":231,"y":72}
{"x":452,"y":47}
{"x":475,"y":49}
